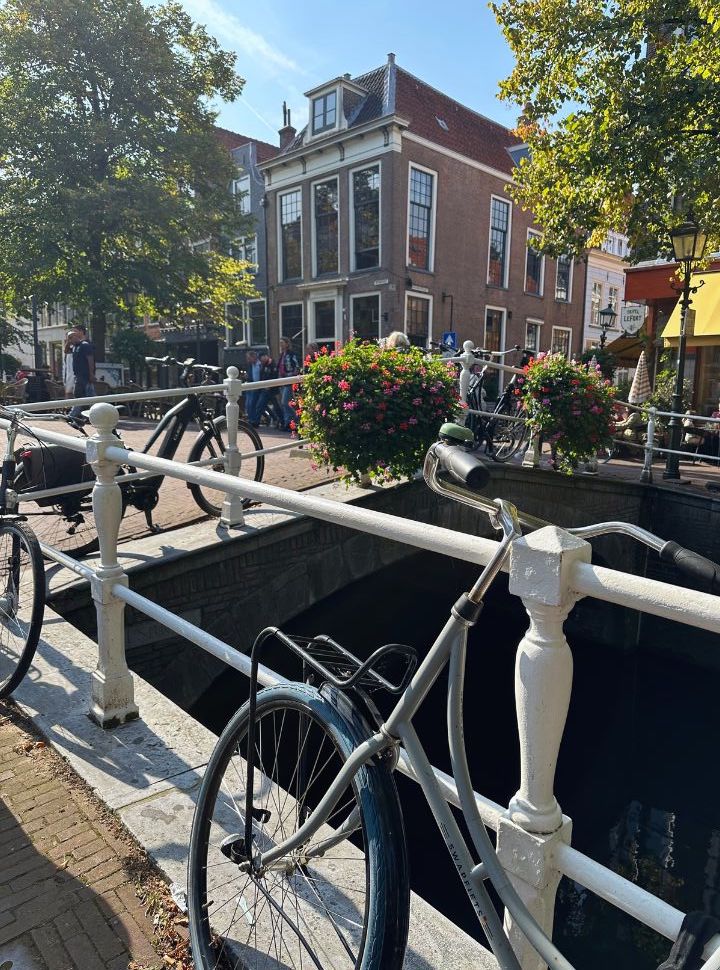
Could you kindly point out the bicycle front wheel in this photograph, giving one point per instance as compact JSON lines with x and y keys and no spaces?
{"x":507,"y":436}
{"x":210,"y":447}
{"x":346,"y":908}
{"x":22,"y":602}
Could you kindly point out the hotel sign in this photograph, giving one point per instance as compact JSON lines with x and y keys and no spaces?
{"x":632,"y":318}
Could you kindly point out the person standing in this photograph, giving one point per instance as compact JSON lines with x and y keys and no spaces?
{"x":288,"y":366}
{"x":252,"y":369}
{"x":68,"y":374}
{"x":83,"y":362}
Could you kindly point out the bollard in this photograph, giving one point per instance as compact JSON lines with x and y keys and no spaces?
{"x":527,"y":837}
{"x":531,"y":458}
{"x":112,"y":693}
{"x":646,"y":474}
{"x":232,"y":508}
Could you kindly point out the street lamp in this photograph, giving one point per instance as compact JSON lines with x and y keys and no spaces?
{"x":688,"y":242}
{"x":606,"y":318}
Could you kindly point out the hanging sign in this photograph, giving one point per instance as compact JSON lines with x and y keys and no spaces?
{"x":632,"y":318}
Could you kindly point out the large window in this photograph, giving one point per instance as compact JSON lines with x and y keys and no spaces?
{"x":417,"y":320}
{"x":241,"y":188}
{"x":494,"y":339}
{"x":257,"y":323}
{"x":291,"y":324}
{"x":533,"y":330}
{"x":420,"y":218}
{"x":561,"y":342}
{"x":596,"y":296}
{"x":613,"y":293}
{"x":245,"y":247}
{"x":325,"y":201}
{"x":323,"y":323}
{"x":562,"y":279}
{"x":324,"y":112}
{"x":291,"y":235}
{"x":534,"y":265}
{"x":366,"y":316}
{"x":366,"y":217}
{"x":499,"y":242}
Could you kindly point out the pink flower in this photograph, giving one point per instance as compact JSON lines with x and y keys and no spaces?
{"x":350,"y":405}
{"x":344,"y":385}
{"x":413,"y":420}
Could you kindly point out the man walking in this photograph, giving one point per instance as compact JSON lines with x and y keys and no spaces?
{"x":83,"y":363}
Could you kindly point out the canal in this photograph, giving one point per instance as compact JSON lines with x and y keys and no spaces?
{"x":633,"y":771}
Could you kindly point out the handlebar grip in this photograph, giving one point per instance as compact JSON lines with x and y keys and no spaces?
{"x":464,"y":466}
{"x":704,"y":570}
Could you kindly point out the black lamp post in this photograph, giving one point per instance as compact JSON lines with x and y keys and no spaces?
{"x":607,"y":322}
{"x":688,"y":242}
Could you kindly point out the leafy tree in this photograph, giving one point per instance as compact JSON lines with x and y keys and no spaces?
{"x":131,"y":347}
{"x":110,"y":167}
{"x":621,"y":113}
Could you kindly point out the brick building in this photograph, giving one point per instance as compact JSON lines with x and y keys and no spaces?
{"x":389,"y":211}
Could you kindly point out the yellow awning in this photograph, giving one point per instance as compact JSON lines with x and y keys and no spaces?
{"x":704,"y":330}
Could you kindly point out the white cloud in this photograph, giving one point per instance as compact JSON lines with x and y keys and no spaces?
{"x":231,"y":31}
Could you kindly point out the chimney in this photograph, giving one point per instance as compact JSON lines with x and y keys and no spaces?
{"x":391,"y":58}
{"x":287,"y":132}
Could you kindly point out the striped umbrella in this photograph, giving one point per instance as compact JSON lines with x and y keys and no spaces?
{"x":641,"y":389}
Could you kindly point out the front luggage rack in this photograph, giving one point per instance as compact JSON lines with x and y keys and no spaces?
{"x":389,"y":668}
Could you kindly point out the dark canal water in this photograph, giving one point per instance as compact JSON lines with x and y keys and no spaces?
{"x":636,"y":771}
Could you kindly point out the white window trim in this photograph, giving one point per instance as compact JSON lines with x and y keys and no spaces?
{"x":565,"y":330}
{"x":323,"y":298}
{"x":420,"y":296}
{"x":304,"y":315}
{"x":593,"y":283}
{"x":246,"y":198}
{"x":534,"y":232}
{"x":433,"y":218}
{"x":503,"y":337}
{"x":312,"y":134}
{"x":506,"y":280}
{"x":351,"y":196}
{"x":358,"y":296}
{"x":241,"y":243}
{"x":313,"y":240}
{"x":535,"y":322}
{"x":280,"y":195}
{"x":248,"y":321}
{"x":570,"y":282}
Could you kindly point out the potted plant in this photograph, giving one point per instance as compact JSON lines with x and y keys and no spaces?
{"x":571,"y":406}
{"x":374,"y":411}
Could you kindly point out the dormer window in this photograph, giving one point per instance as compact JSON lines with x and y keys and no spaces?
{"x":324,"y":112}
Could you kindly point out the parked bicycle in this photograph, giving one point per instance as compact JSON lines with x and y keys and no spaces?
{"x":70,"y":521}
{"x":22,"y":574}
{"x":297,"y":852}
{"x":503,"y":431}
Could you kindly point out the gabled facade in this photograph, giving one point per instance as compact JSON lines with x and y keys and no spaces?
{"x":389,"y":211}
{"x":605,"y":287}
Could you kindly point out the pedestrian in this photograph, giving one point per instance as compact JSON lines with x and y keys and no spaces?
{"x":252,"y":369}
{"x":397,"y":340}
{"x":83,"y":362}
{"x":288,"y":366}
{"x":268,"y":397}
{"x":68,"y":374}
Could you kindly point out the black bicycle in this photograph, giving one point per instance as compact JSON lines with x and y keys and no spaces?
{"x":502,"y":431}
{"x":22,"y":574}
{"x":70,"y":521}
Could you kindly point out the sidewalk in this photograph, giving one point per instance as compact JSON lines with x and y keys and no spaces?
{"x":69,"y":870}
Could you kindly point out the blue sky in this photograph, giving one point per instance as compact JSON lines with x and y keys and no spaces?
{"x":285,"y":48}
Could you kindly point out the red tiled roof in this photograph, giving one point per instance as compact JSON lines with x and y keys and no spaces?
{"x":469,"y":134}
{"x":231,"y":139}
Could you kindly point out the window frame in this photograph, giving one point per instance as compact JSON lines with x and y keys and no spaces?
{"x":280,"y":248}
{"x":245,"y":201}
{"x":535,"y":322}
{"x":567,"y":330}
{"x":314,"y":299}
{"x":433,"y":218}
{"x":571,"y":267}
{"x":428,"y":297}
{"x":316,"y":132}
{"x":313,"y":223}
{"x":503,"y":338}
{"x":351,"y":206}
{"x":541,"y":282}
{"x":361,"y":296}
{"x":303,"y":315}
{"x":506,"y":269}
{"x":248,"y":322}
{"x":595,"y":313}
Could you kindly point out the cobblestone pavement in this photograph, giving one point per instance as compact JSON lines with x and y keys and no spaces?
{"x":176,"y":507}
{"x":67,"y":882}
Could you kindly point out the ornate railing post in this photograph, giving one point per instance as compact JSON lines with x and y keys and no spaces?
{"x":531,"y":458}
{"x":232,"y":509}
{"x":112,"y":692}
{"x":646,"y":473}
{"x":467,"y":362}
{"x":539,"y":571}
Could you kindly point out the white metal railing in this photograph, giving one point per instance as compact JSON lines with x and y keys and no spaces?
{"x":549,"y":571}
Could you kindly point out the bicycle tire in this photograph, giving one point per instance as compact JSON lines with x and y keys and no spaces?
{"x":376,"y":931}
{"x":507,"y":436}
{"x":214,"y":445}
{"x":22,"y":603}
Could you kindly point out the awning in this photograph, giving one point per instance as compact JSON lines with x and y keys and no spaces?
{"x":703,"y":327}
{"x":628,"y":349}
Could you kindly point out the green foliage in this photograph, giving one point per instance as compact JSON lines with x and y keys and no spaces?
{"x":109,"y":163}
{"x":607,"y":360}
{"x":621,"y":111}
{"x":570,"y":406}
{"x":374,"y":411}
{"x":662,"y":395}
{"x":131,"y":347}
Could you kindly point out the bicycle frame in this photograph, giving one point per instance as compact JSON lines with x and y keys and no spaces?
{"x":449,"y":648}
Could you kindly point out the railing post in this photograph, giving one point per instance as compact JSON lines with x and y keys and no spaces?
{"x":112,"y":693}
{"x":467,"y":362}
{"x":531,"y":458}
{"x":527,"y":837}
{"x":232,"y":508}
{"x":646,"y":474}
